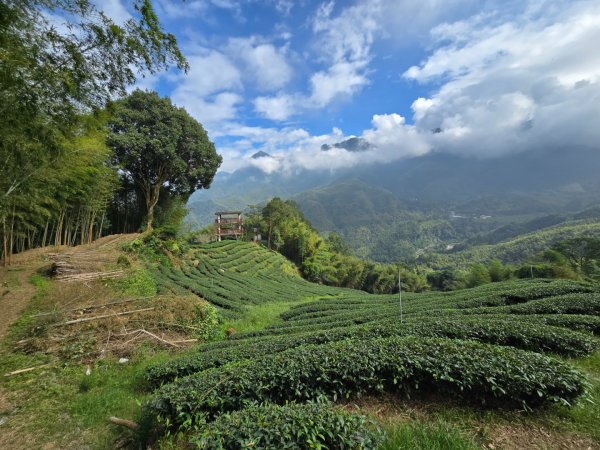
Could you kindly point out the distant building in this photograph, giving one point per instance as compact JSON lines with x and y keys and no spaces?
{"x":228,"y":224}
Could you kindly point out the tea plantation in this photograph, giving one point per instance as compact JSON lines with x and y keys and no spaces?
{"x":499,"y":346}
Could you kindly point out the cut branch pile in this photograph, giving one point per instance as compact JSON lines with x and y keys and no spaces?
{"x":63,"y":269}
{"x":90,"y":276}
{"x":104,"y":316}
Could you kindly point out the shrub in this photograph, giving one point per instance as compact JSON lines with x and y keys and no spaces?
{"x":476,"y":373}
{"x":537,"y":334}
{"x":292,"y":426}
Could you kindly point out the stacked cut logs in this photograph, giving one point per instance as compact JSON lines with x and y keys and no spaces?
{"x":61,"y":267}
{"x":63,"y":270}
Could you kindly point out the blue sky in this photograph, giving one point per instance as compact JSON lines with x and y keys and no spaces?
{"x":287,"y":76}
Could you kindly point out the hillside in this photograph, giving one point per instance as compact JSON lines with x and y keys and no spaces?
{"x":289,"y":342}
{"x":409,"y":207}
{"x":519,"y":248}
{"x":306,"y":345}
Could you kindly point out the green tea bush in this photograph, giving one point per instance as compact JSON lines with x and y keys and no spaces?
{"x":477,"y":373}
{"x":585,"y":303}
{"x":292,"y":426}
{"x":500,"y":330}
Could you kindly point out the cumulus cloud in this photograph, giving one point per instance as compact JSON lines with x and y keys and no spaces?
{"x":503,"y":84}
{"x":342,"y":45}
{"x":208,"y":90}
{"x":341,"y":78}
{"x":265,"y":62}
{"x":291,"y":149}
{"x":500,"y":77}
{"x":513,"y":86}
{"x":279,"y":107}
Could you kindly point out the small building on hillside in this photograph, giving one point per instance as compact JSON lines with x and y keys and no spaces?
{"x":228,"y":224}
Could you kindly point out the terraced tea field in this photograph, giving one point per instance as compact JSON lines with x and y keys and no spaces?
{"x":500,"y":346}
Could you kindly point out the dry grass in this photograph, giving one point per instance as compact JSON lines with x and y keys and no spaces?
{"x":109,"y":321}
{"x":510,"y":430}
{"x":59,"y":406}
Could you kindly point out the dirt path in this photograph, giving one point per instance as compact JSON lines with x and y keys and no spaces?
{"x":15,"y":292}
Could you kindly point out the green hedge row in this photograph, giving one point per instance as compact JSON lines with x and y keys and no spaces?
{"x":293,"y":426}
{"x":499,"y":330}
{"x":488,"y":296}
{"x":476,"y":373}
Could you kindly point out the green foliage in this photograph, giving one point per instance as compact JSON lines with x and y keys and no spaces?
{"x":298,"y":426}
{"x":519,"y":248}
{"x":352,"y":368}
{"x":160,"y":148}
{"x":479,"y":275}
{"x":350,"y":344}
{"x":169,"y":216}
{"x":52,"y":72}
{"x":123,"y":261}
{"x":498,"y":271}
{"x":207,"y":321}
{"x":447,"y":280}
{"x":54,"y":181}
{"x":138,"y":283}
{"x":326,"y":261}
{"x":501,"y":330}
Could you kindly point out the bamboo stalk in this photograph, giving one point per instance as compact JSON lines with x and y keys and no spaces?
{"x":124,"y":423}
{"x":29,"y":369}
{"x":104,"y":316}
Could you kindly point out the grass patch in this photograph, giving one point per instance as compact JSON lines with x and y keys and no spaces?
{"x":71,"y":409}
{"x":429,"y":436}
{"x":584,"y":417}
{"x":138,"y":283}
{"x":258,"y":317}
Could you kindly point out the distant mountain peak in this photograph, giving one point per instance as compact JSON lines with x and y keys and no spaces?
{"x":260,"y":154}
{"x":353,"y":144}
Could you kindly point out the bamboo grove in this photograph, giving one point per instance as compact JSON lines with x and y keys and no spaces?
{"x":60,"y":184}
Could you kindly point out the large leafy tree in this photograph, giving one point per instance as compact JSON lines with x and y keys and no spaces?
{"x":161,"y":148}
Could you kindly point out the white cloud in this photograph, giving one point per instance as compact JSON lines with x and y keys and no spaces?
{"x":344,"y":45}
{"x":395,"y":139}
{"x":208,"y":90}
{"x":211,"y":111}
{"x":506,"y":79}
{"x":291,"y":149}
{"x":341,"y":78}
{"x":279,"y":107}
{"x":210,"y":72}
{"x":513,"y":85}
{"x":266,"y":63}
{"x":177,"y":9}
{"x":114,"y":9}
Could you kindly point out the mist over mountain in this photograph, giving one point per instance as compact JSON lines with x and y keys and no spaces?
{"x":431,"y":202}
{"x":353,"y":144}
{"x":557,"y":178}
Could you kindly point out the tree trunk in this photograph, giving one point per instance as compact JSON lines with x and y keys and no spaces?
{"x":45,"y":233}
{"x":151,"y":201}
{"x":99,"y":235}
{"x":4,"y":243}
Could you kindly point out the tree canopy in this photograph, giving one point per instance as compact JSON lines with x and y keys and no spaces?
{"x":326,"y":261}
{"x":160,"y":147}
